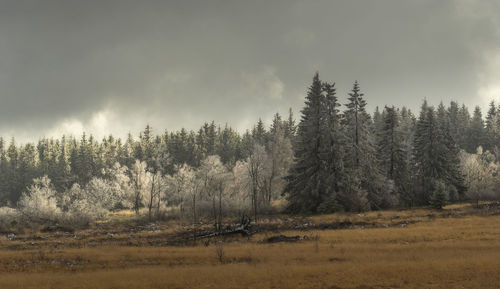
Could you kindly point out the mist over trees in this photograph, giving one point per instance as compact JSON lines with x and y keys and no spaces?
{"x":338,"y":157}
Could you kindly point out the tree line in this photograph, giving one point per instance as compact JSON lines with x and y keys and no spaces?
{"x":338,"y":157}
{"x":350,"y":160}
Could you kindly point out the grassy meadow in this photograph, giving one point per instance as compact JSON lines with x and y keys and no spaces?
{"x":458,"y":247}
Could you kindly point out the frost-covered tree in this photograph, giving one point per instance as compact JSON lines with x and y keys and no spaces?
{"x":79,"y":208}
{"x":183,"y":189}
{"x":214,"y":183}
{"x":278,"y":161}
{"x":100,"y":193}
{"x":153,"y":196}
{"x":83,"y":205}
{"x":121,"y":186}
{"x":481,"y":175}
{"x":141,"y":183}
{"x":256,"y":167}
{"x":39,"y":202}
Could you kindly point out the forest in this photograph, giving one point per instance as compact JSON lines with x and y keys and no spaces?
{"x":337,"y":157}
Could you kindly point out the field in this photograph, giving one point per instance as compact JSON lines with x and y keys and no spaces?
{"x":458,"y":247}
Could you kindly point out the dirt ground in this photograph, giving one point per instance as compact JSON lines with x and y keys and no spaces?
{"x":458,"y":247}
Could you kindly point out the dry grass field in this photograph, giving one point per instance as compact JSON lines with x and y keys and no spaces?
{"x":455,"y":248}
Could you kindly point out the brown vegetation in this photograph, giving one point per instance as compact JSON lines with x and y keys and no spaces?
{"x":458,"y":247}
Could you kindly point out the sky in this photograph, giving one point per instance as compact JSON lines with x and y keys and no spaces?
{"x":114,"y":66}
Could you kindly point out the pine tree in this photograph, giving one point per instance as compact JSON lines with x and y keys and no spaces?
{"x":394,"y":151}
{"x":476,"y":135}
{"x":27,"y":170}
{"x":439,"y":197}
{"x":357,"y":129}
{"x":290,"y":127}
{"x":463,"y":124}
{"x":148,"y":148}
{"x":492,"y":129}
{"x":4,"y":186}
{"x":228,"y":144}
{"x":403,"y":167}
{"x":449,"y":149}
{"x":62,"y":175}
{"x":425,"y":153}
{"x":435,"y":153}
{"x":126,"y":152}
{"x":83,"y":165}
{"x":306,"y":185}
{"x":332,"y":144}
{"x":389,"y":146}
{"x":378,"y":123}
{"x":14,"y":183}
{"x":246,"y":145}
{"x":455,"y":127}
{"x":276,"y":125}
{"x":259,"y":133}
{"x":360,"y":158}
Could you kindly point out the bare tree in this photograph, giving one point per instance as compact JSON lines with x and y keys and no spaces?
{"x":255,"y":167}
{"x":213,"y":177}
{"x":278,"y":162}
{"x":141,"y":180}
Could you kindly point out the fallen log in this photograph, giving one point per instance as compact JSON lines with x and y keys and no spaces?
{"x":243,"y":228}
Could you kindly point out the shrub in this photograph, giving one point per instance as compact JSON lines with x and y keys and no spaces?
{"x":440,"y":196}
{"x":9,"y":219}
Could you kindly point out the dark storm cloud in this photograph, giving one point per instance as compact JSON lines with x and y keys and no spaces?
{"x":112,"y":66}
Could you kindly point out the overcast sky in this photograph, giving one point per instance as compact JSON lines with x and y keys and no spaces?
{"x":114,"y":66}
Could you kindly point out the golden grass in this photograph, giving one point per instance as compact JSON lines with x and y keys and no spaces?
{"x":441,"y":253}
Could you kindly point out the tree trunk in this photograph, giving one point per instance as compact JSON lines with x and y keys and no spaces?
{"x":194,"y":216}
{"x":255,"y":204}
{"x":214,"y":211}
{"x":151,"y":198}
{"x":158,"y":204}
{"x":220,"y":210}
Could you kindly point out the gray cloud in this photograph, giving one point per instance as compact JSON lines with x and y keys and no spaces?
{"x":113,"y":66}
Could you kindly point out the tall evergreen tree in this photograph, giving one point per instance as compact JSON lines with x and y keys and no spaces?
{"x":454,"y":122}
{"x":4,"y":193}
{"x":360,"y":158}
{"x":463,"y":124}
{"x":259,"y":133}
{"x":449,"y":152}
{"x":277,"y":124}
{"x":476,"y":133}
{"x":306,"y":183}
{"x":389,"y":146}
{"x":425,"y":154}
{"x":14,"y":181}
{"x":402,"y":171}
{"x":290,"y":127}
{"x":228,"y":145}
{"x":492,"y":131}
{"x":435,"y":154}
{"x":332,"y":142}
